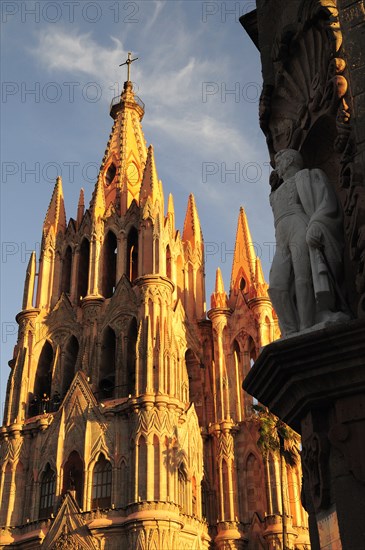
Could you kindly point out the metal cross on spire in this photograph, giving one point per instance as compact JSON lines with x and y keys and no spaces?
{"x":128,"y":62}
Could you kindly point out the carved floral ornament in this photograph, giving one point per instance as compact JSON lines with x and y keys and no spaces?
{"x":309,"y":79}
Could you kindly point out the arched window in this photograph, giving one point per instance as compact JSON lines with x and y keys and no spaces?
{"x":252,"y":351}
{"x":131,"y":358}
{"x":66,"y":271}
{"x":102,"y":483}
{"x":195,"y":381}
{"x":83,"y":274}
{"x":73,"y":476}
{"x":147,"y":244}
{"x":109,"y":265}
{"x":239,"y":377}
{"x":236,"y":354}
{"x":180,"y":279}
{"x":110,"y":174}
{"x":43,"y":380}
{"x":70,"y":358}
{"x":132,"y":254}
{"x":107,"y":364}
{"x":168,"y":262}
{"x":47,"y":493}
{"x":243,"y":284}
{"x":156,"y":245}
{"x":182,"y":476}
{"x":251,"y":354}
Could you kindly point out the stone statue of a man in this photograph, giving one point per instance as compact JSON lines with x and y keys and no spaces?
{"x":306,"y":271}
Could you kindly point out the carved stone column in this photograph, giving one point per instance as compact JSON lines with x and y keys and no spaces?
{"x":315,"y":382}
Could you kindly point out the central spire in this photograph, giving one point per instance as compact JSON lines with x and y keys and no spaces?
{"x":125,"y":157}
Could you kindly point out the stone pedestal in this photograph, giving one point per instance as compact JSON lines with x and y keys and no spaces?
{"x":315,"y":382}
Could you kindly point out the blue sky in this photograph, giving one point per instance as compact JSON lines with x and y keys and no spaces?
{"x":198,"y":74}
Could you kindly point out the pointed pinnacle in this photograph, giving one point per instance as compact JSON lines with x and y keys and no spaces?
{"x":244,"y":258}
{"x":170,"y":206}
{"x":192,"y":231}
{"x":259,"y":274}
{"x":29,"y":283}
{"x":150,"y":181}
{"x":219,"y":297}
{"x":219,"y":284}
{"x":56,"y":215}
{"x":80,"y":207}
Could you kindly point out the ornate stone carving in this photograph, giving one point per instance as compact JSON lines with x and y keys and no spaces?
{"x":121,"y":323}
{"x":225,"y":445}
{"x":66,"y":542}
{"x":155,"y":289}
{"x":307,"y":96}
{"x":315,"y":455}
{"x":152,"y":420}
{"x":309,"y":79}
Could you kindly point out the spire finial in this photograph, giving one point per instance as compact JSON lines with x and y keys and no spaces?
{"x":128,"y":62}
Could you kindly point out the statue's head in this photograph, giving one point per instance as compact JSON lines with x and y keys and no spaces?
{"x":288,"y":158}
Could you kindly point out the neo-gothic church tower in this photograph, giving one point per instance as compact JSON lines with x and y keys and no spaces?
{"x":126,"y":426}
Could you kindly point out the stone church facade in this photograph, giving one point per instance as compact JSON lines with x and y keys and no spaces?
{"x":125,"y":424}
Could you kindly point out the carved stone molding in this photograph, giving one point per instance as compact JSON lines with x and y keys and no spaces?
{"x":152,"y":420}
{"x":91,"y":306}
{"x":155,"y":288}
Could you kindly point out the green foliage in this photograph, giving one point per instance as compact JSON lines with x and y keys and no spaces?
{"x":275,"y":436}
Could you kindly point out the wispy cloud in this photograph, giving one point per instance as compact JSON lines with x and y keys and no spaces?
{"x":75,"y":53}
{"x":158,"y":6}
{"x":212,"y":135}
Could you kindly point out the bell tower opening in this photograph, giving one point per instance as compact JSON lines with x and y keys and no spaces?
{"x":66,"y":271}
{"x":70,"y":359}
{"x":107,"y":365}
{"x":83,"y":275}
{"x":109,"y":265}
{"x":132,"y":255}
{"x":73,"y":476}
{"x":110,"y":174}
{"x":131,"y":358}
{"x":43,"y":381}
